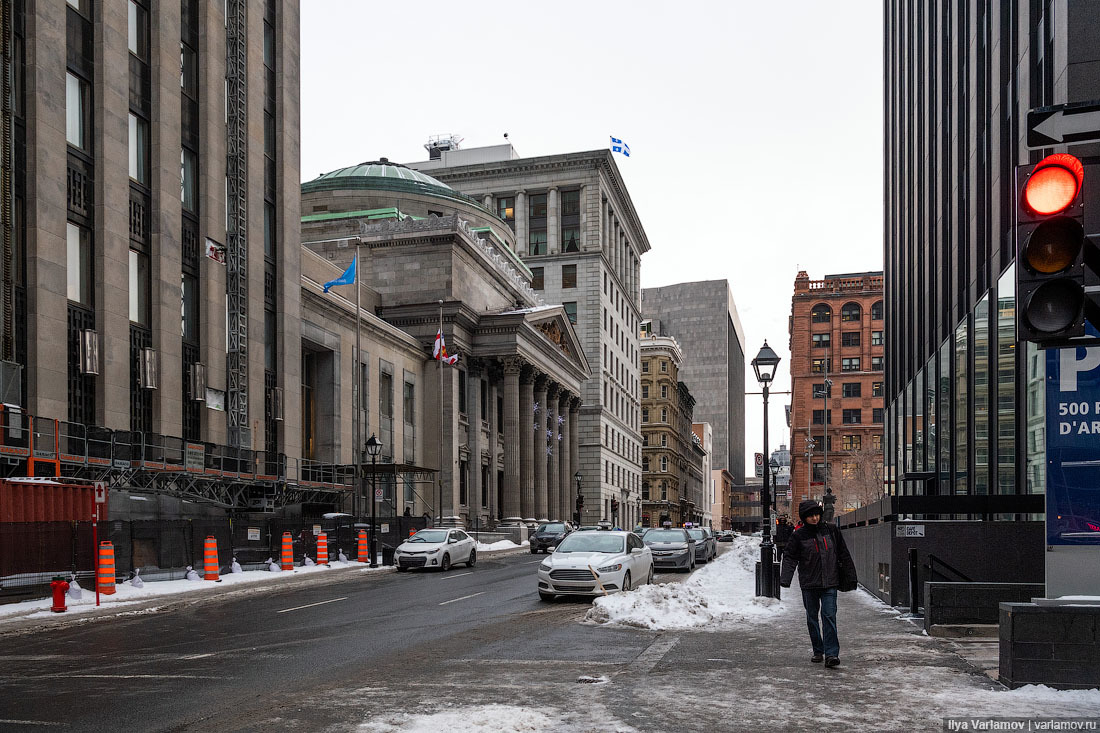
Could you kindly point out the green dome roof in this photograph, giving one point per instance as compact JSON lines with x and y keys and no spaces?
{"x":383,"y":169}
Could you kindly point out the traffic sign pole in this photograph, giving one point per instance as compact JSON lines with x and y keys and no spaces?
{"x":95,"y":551}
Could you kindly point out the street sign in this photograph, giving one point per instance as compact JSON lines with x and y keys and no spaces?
{"x":253,"y":534}
{"x":759,"y":465}
{"x":909,"y":530}
{"x":1063,"y":124}
{"x":379,"y":494}
{"x":100,"y":492}
{"x":789,"y":495}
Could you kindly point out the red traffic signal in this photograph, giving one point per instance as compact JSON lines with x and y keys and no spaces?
{"x":1053,"y":184}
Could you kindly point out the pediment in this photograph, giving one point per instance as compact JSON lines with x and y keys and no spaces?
{"x":554,"y":326}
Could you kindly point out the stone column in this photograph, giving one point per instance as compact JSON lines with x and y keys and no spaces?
{"x":473,"y":436}
{"x":526,"y":444}
{"x":492,"y":488}
{"x":538,"y":447}
{"x":513,"y":432}
{"x":553,"y":246}
{"x":521,"y":222}
{"x":565,"y":476}
{"x":553,"y":475}
{"x":574,"y":450}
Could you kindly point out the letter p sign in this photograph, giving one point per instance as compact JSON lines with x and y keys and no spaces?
{"x":1070,"y":365}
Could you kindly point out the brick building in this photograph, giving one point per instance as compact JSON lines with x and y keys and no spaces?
{"x":836,"y":331}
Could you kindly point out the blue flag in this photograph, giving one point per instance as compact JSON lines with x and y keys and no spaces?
{"x":348,"y":278}
{"x":618,"y":146}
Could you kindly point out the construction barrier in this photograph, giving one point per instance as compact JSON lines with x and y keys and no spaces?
{"x":106,"y":574}
{"x":364,"y":554}
{"x":288,"y":552}
{"x":322,"y":549}
{"x":210,"y":559}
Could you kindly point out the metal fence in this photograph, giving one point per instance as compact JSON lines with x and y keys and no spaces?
{"x":32,"y":553}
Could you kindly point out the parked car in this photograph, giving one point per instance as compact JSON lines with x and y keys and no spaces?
{"x":595,"y":564}
{"x":726,"y":536}
{"x":672,"y":548}
{"x":587,"y":528}
{"x":706,"y":546}
{"x":548,"y":535}
{"x":435,"y":548}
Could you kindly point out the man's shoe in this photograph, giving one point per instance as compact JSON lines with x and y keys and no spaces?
{"x":832,"y":661}
{"x":816,"y":659}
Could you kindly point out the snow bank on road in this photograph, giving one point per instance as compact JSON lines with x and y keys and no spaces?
{"x":497,"y":719}
{"x":723,"y":591}
{"x":128,"y":595}
{"x":502,"y":545}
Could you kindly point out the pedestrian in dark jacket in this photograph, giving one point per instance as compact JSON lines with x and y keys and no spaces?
{"x":824,"y":566}
{"x":783,"y":531}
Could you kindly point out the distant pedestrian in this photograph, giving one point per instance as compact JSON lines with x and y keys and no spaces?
{"x":824,"y":566}
{"x":783,"y":531}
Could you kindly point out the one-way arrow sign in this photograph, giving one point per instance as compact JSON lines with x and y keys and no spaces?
{"x":1064,"y":124}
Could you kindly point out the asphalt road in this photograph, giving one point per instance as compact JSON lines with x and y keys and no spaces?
{"x":257,"y":660}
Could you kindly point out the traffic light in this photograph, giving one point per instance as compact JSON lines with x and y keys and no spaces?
{"x":1057,"y":264}
{"x":614,"y":505}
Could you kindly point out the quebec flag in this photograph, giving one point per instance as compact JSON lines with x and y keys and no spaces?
{"x":618,"y":146}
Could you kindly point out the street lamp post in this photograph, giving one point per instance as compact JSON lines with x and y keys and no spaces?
{"x":374,"y":447}
{"x":580,"y":500}
{"x":774,"y":466}
{"x":765,"y":365}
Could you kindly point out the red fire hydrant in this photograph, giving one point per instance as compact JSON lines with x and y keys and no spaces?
{"x":59,"y":586}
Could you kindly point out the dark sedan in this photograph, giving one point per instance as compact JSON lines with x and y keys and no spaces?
{"x":706,"y":546}
{"x":548,"y":535}
{"x":671,"y":548}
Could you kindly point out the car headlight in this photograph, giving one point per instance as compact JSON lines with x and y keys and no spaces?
{"x":611,"y":568}
{"x":545,"y":564}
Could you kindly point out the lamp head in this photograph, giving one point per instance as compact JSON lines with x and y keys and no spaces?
{"x":374,"y":446}
{"x":765,"y":363}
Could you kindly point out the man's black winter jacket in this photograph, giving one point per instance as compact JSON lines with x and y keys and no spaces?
{"x":822,"y":559}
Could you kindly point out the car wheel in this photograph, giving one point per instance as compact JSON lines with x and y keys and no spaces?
{"x":534,"y":551}
{"x":626,"y":581}
{"x":472,"y":560}
{"x":445,"y":563}
{"x":546,"y":596}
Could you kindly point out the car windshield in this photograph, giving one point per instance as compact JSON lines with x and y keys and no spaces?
{"x":699,"y":534}
{"x":665,"y":535}
{"x":591,"y":542}
{"x":429,"y":535}
{"x":554,"y":528}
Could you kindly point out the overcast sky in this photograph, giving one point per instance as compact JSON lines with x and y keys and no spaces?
{"x":755,"y":128}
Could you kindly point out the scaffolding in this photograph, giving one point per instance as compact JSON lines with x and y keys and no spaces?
{"x":236,"y":75}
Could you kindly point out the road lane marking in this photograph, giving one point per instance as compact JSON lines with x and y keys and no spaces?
{"x":28,"y":722}
{"x":448,"y":577}
{"x":454,"y":600}
{"x":311,"y":605}
{"x":136,"y":676}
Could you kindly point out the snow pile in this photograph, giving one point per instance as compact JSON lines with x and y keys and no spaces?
{"x":497,"y":718}
{"x":502,"y":545}
{"x":724,"y":590}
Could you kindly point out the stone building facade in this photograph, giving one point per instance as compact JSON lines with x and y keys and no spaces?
{"x":837,"y":373}
{"x":704,"y":440}
{"x":502,"y":424}
{"x":576,"y":229}
{"x":722,"y":508}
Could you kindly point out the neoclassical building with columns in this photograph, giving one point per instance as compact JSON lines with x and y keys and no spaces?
{"x":502,"y":425}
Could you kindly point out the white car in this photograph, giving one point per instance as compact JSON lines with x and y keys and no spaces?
{"x":435,"y":548}
{"x":595,"y":564}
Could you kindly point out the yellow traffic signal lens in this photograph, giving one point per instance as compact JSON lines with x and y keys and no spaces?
{"x":1054,"y":245}
{"x":1055,"y":305}
{"x":1053,"y":184}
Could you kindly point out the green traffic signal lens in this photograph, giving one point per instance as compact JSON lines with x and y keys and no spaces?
{"x":1054,"y":245}
{"x":1055,"y":305}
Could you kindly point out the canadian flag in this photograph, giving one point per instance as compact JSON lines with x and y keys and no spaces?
{"x":439,"y":352}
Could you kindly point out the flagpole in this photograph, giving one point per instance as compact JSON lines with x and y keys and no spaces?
{"x":442,"y":417}
{"x":356,"y":379}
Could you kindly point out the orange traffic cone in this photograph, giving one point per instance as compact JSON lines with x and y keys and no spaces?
{"x":322,"y":549}
{"x":106,"y":573}
{"x":210,"y":559}
{"x":364,"y":553}
{"x":288,"y":552}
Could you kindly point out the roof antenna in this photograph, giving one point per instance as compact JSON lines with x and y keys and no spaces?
{"x":505,"y":136}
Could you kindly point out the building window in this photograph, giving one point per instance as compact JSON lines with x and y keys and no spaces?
{"x":664,"y":440}
{"x":506,"y":208}
{"x":876,"y":442}
{"x":189,"y":169}
{"x":537,"y":242}
{"x":664,"y":366}
{"x":664,"y":415}
{"x":139,"y":149}
{"x":462,"y":392}
{"x":848,"y":470}
{"x":821,"y":313}
{"x":818,"y":366}
{"x":645,"y":488}
{"x":536,"y":206}
{"x":849,"y":339}
{"x":850,"y":312}
{"x":819,"y":473}
{"x":570,"y":203}
{"x":664,"y":464}
{"x":536,"y":278}
{"x":645,"y":414}
{"x":463,"y":484}
{"x":571,"y":239}
{"x":850,"y":364}
{"x":571,"y":311}
{"x":878,"y":389}
{"x":664,"y":391}
{"x":820,"y":340}
{"x":139,"y":288}
{"x":138,"y":27}
{"x":852,"y":389}
{"x":851,"y":442}
{"x":876,"y":415}
{"x":76,"y":111}
{"x":823,"y":390}
{"x":645,"y":367}
{"x":409,"y":399}
{"x":852,"y":417}
{"x":645,"y":391}
{"x":876,"y":338}
{"x":189,"y":307}
{"x":79,"y":264}
{"x":876,"y":311}
{"x":569,"y":276}
{"x":876,"y":363}
{"x":819,"y":417}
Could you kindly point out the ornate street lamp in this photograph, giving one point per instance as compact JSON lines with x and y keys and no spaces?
{"x":374,"y":447}
{"x":764,"y":365}
{"x":580,"y":497}
{"x":774,"y":466}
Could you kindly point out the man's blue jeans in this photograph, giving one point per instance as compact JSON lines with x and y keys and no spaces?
{"x":822,"y":601}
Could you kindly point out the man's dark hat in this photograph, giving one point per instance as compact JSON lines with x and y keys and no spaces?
{"x":809,"y":507}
